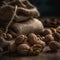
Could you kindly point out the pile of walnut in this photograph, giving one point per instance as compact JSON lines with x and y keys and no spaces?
{"x":34,"y":44}
{"x":24,"y":44}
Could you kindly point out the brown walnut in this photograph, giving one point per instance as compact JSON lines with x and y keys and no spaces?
{"x":23,"y":49}
{"x":36,"y":49}
{"x":21,"y":39}
{"x":48,"y":38}
{"x":54,"y":45}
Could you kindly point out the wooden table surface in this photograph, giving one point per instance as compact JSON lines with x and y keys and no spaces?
{"x":46,"y":55}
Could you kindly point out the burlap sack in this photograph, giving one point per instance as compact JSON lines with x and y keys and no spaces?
{"x":32,"y":25}
{"x":25,"y":10}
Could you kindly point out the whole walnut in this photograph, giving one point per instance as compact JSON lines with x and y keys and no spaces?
{"x":32,"y":38}
{"x":56,"y":36}
{"x":12,"y":48}
{"x":21,"y":39}
{"x":23,"y":49}
{"x":54,"y":45}
{"x":36,"y":49}
{"x":48,"y":38}
{"x":47,"y":31}
{"x":9,"y":36}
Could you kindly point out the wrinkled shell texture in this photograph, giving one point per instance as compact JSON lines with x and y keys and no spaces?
{"x":23,"y":49}
{"x":21,"y":39}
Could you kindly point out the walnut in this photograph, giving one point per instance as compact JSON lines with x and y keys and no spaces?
{"x":23,"y":49}
{"x":36,"y":49}
{"x":48,"y":38}
{"x":32,"y":38}
{"x":56,"y":36}
{"x":9,"y":37}
{"x":12,"y":48}
{"x":47,"y":31}
{"x":21,"y":39}
{"x":54,"y":45}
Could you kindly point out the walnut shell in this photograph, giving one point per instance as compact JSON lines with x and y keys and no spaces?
{"x":36,"y":49}
{"x":56,"y":36}
{"x":32,"y":38}
{"x":54,"y":45}
{"x":47,"y":31}
{"x":23,"y":49}
{"x":48,"y":38}
{"x":21,"y":39}
{"x":9,"y":37}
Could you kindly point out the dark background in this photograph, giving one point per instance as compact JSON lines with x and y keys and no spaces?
{"x":46,"y":7}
